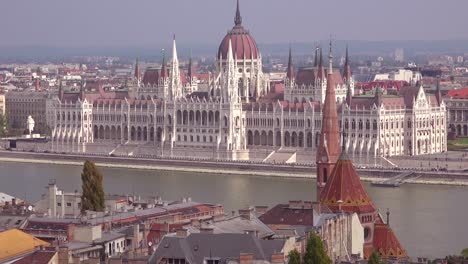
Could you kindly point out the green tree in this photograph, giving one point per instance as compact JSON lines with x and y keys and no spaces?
{"x":3,"y":125}
{"x":464,"y":253}
{"x":294,"y":257}
{"x":315,"y":251}
{"x":375,"y":258}
{"x":93,"y":197}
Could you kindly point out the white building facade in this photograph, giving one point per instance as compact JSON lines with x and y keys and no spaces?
{"x":240,"y":117}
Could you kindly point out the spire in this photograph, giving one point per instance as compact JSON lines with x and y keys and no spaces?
{"x":329,"y":148}
{"x":190,"y":67}
{"x":321,"y":58}
{"x":347,"y":68}
{"x":174,"y":50}
{"x":290,"y":71}
{"x":60,"y":91}
{"x":229,"y":55}
{"x":330,"y":59}
{"x":321,"y":70}
{"x":438,"y":94}
{"x":388,"y":217}
{"x":175,"y":84}
{"x":163,"y":65}
{"x":82,"y":90}
{"x":238,"y":18}
{"x":137,"y":69}
{"x":316,"y":56}
{"x":349,"y":95}
{"x":378,"y":96}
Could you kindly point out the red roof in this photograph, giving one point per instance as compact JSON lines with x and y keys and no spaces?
{"x":329,"y":148}
{"x":308,"y":76}
{"x":38,"y":257}
{"x":381,"y":84}
{"x":345,"y":185}
{"x":243,"y":44}
{"x":283,"y":214}
{"x":386,"y":243}
{"x":461,"y":93}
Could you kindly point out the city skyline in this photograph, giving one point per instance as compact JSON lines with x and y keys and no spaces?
{"x":121,"y":23}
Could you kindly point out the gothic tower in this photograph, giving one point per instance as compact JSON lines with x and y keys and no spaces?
{"x":329,"y":148}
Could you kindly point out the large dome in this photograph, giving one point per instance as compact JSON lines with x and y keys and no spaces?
{"x":243,"y":44}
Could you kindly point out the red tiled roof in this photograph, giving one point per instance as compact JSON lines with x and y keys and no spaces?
{"x":282,"y":214}
{"x":386,"y":243}
{"x":381,"y":84}
{"x":38,"y":257}
{"x":308,"y":76}
{"x":461,"y":93}
{"x":243,"y":44}
{"x":329,"y":148}
{"x":345,"y":185}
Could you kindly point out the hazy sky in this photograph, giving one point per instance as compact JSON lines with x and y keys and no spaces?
{"x":150,"y":22}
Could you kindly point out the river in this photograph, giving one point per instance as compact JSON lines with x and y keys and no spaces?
{"x":429,"y":220}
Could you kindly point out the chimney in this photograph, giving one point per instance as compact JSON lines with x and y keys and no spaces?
{"x":277,"y":258}
{"x":246,"y":258}
{"x":70,"y":232}
{"x":182,"y":233}
{"x":246,"y":213}
{"x":13,"y":201}
{"x":261,"y":209}
{"x":63,"y":255}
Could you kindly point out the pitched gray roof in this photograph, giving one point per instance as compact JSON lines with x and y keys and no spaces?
{"x":196,"y":247}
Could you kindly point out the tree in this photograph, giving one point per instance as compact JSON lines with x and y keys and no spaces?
{"x":375,"y":258}
{"x":464,"y":253}
{"x":92,"y":197}
{"x":294,"y":257}
{"x":315,"y":251}
{"x":3,"y":125}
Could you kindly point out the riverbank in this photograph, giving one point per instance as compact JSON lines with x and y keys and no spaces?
{"x":224,"y":168}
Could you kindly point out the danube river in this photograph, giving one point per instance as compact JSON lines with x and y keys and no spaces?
{"x":430,"y":220}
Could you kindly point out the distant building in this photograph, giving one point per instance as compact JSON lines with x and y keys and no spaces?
{"x":409,"y":76}
{"x":399,"y":55}
{"x":457,"y":111}
{"x":20,"y":105}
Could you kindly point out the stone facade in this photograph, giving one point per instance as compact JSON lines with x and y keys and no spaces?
{"x":240,"y":116}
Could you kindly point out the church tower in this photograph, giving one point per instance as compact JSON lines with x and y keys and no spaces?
{"x":329,"y":148}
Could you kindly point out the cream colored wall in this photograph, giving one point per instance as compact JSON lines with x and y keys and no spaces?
{"x":357,"y":236}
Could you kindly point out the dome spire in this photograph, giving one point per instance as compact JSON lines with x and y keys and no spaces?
{"x":290,"y":70}
{"x":238,"y":18}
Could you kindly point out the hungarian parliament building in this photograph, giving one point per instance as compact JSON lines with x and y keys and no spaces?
{"x":241,"y":114}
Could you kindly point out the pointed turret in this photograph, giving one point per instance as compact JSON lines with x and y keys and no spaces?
{"x":175,"y":72}
{"x":438,"y":94}
{"x":82,"y":90}
{"x":190,"y":71}
{"x":164,"y":73}
{"x":316,"y":57}
{"x":378,"y":96}
{"x":345,"y":186}
{"x":60,"y":91}
{"x":321,"y":70}
{"x":290,"y":70}
{"x":329,"y":148}
{"x":238,"y":18}
{"x":349,"y":95}
{"x":137,"y":69}
{"x":347,"y":68}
